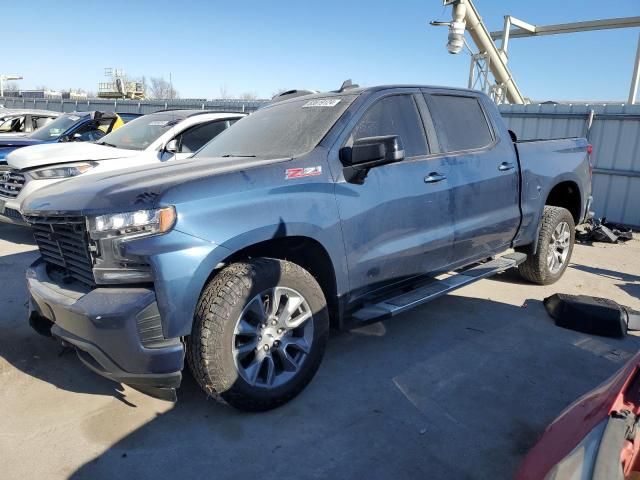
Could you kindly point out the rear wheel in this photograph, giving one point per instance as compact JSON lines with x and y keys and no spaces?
{"x":259,"y":333}
{"x":555,"y":246}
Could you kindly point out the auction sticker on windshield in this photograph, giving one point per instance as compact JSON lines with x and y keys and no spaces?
{"x":322,"y":102}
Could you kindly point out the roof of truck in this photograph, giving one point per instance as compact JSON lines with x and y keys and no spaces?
{"x":356,"y":90}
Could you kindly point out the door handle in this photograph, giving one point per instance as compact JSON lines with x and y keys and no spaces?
{"x":434,"y":177}
{"x":504,"y":166}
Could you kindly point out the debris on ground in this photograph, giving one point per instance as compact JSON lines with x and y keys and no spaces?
{"x":593,"y":315}
{"x":599,"y":230}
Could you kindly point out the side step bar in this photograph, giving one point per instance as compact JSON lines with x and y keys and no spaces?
{"x":433,"y":289}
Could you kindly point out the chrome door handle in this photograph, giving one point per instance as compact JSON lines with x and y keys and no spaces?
{"x":504,"y":166}
{"x":434,"y":177}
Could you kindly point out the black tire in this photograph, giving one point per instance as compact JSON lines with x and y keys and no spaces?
{"x":210,"y":352}
{"x":536,"y":268}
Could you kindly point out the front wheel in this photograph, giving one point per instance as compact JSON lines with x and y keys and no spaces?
{"x":555,"y":246}
{"x":259,"y":333}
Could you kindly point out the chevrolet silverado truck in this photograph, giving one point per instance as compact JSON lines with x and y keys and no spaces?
{"x":331,"y":209}
{"x":154,"y":138}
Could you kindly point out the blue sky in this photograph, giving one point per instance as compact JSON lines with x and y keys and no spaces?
{"x":261,"y":47}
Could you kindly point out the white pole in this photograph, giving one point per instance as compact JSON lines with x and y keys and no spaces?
{"x":635,"y":79}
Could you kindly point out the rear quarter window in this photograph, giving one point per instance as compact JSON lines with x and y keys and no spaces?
{"x":460,"y":122}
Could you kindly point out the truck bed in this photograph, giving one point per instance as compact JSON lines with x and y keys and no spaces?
{"x":543,"y":165}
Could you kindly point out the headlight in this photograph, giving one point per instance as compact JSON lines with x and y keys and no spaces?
{"x":142,"y":222}
{"x":65,"y":171}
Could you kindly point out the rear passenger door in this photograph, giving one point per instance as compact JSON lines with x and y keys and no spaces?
{"x":483,"y":175}
{"x":395,"y":225}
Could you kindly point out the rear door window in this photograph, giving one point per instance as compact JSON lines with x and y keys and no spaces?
{"x":196,"y":137}
{"x":460,"y":122}
{"x":394,"y":115}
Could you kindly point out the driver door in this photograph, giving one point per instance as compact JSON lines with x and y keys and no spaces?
{"x":395,"y":224}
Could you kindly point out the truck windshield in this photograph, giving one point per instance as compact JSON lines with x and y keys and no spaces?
{"x":57,"y":127}
{"x":138,"y":134}
{"x":283,"y":130}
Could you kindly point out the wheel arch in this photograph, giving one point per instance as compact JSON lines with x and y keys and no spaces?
{"x":304,"y":251}
{"x":566,"y":194}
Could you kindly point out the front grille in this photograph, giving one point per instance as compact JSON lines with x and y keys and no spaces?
{"x":64,"y":244}
{"x":11,"y":183}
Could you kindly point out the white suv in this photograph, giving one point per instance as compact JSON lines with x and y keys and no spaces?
{"x":157,"y":137}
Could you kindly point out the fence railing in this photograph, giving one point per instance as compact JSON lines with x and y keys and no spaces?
{"x":131,"y":106}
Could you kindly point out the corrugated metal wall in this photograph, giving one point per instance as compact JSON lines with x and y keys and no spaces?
{"x":614,"y":132}
{"x":130,"y":106}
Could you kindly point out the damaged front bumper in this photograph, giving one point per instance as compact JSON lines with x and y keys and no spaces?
{"x":116,"y":332}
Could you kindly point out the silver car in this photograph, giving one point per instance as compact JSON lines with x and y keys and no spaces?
{"x":24,"y":121}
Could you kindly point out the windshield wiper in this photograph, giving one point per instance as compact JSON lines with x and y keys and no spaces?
{"x":107,"y":144}
{"x":228,"y":155}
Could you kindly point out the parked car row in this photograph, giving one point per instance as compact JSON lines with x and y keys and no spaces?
{"x":153,"y":138}
{"x":335,"y":208}
{"x":68,"y":127}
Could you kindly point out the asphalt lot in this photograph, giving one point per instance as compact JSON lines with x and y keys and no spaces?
{"x":459,"y":388}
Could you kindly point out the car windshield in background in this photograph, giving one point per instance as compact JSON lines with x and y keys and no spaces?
{"x":283,"y":130}
{"x":57,"y":127}
{"x":138,"y":134}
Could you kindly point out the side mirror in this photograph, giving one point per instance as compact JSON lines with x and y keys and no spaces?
{"x":171,"y":146}
{"x":370,"y":152}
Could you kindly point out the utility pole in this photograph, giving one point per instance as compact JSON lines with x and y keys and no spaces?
{"x":4,"y":78}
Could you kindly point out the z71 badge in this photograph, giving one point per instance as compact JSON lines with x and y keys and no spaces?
{"x":291,"y":173}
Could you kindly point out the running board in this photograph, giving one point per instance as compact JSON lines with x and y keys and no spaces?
{"x":435,"y":288}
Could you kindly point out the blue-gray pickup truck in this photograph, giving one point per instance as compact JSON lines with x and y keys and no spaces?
{"x":330,"y":209}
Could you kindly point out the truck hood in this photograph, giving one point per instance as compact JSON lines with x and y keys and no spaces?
{"x":54,"y":153}
{"x":135,"y":188}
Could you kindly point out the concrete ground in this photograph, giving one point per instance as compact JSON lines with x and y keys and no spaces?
{"x":460,"y":388}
